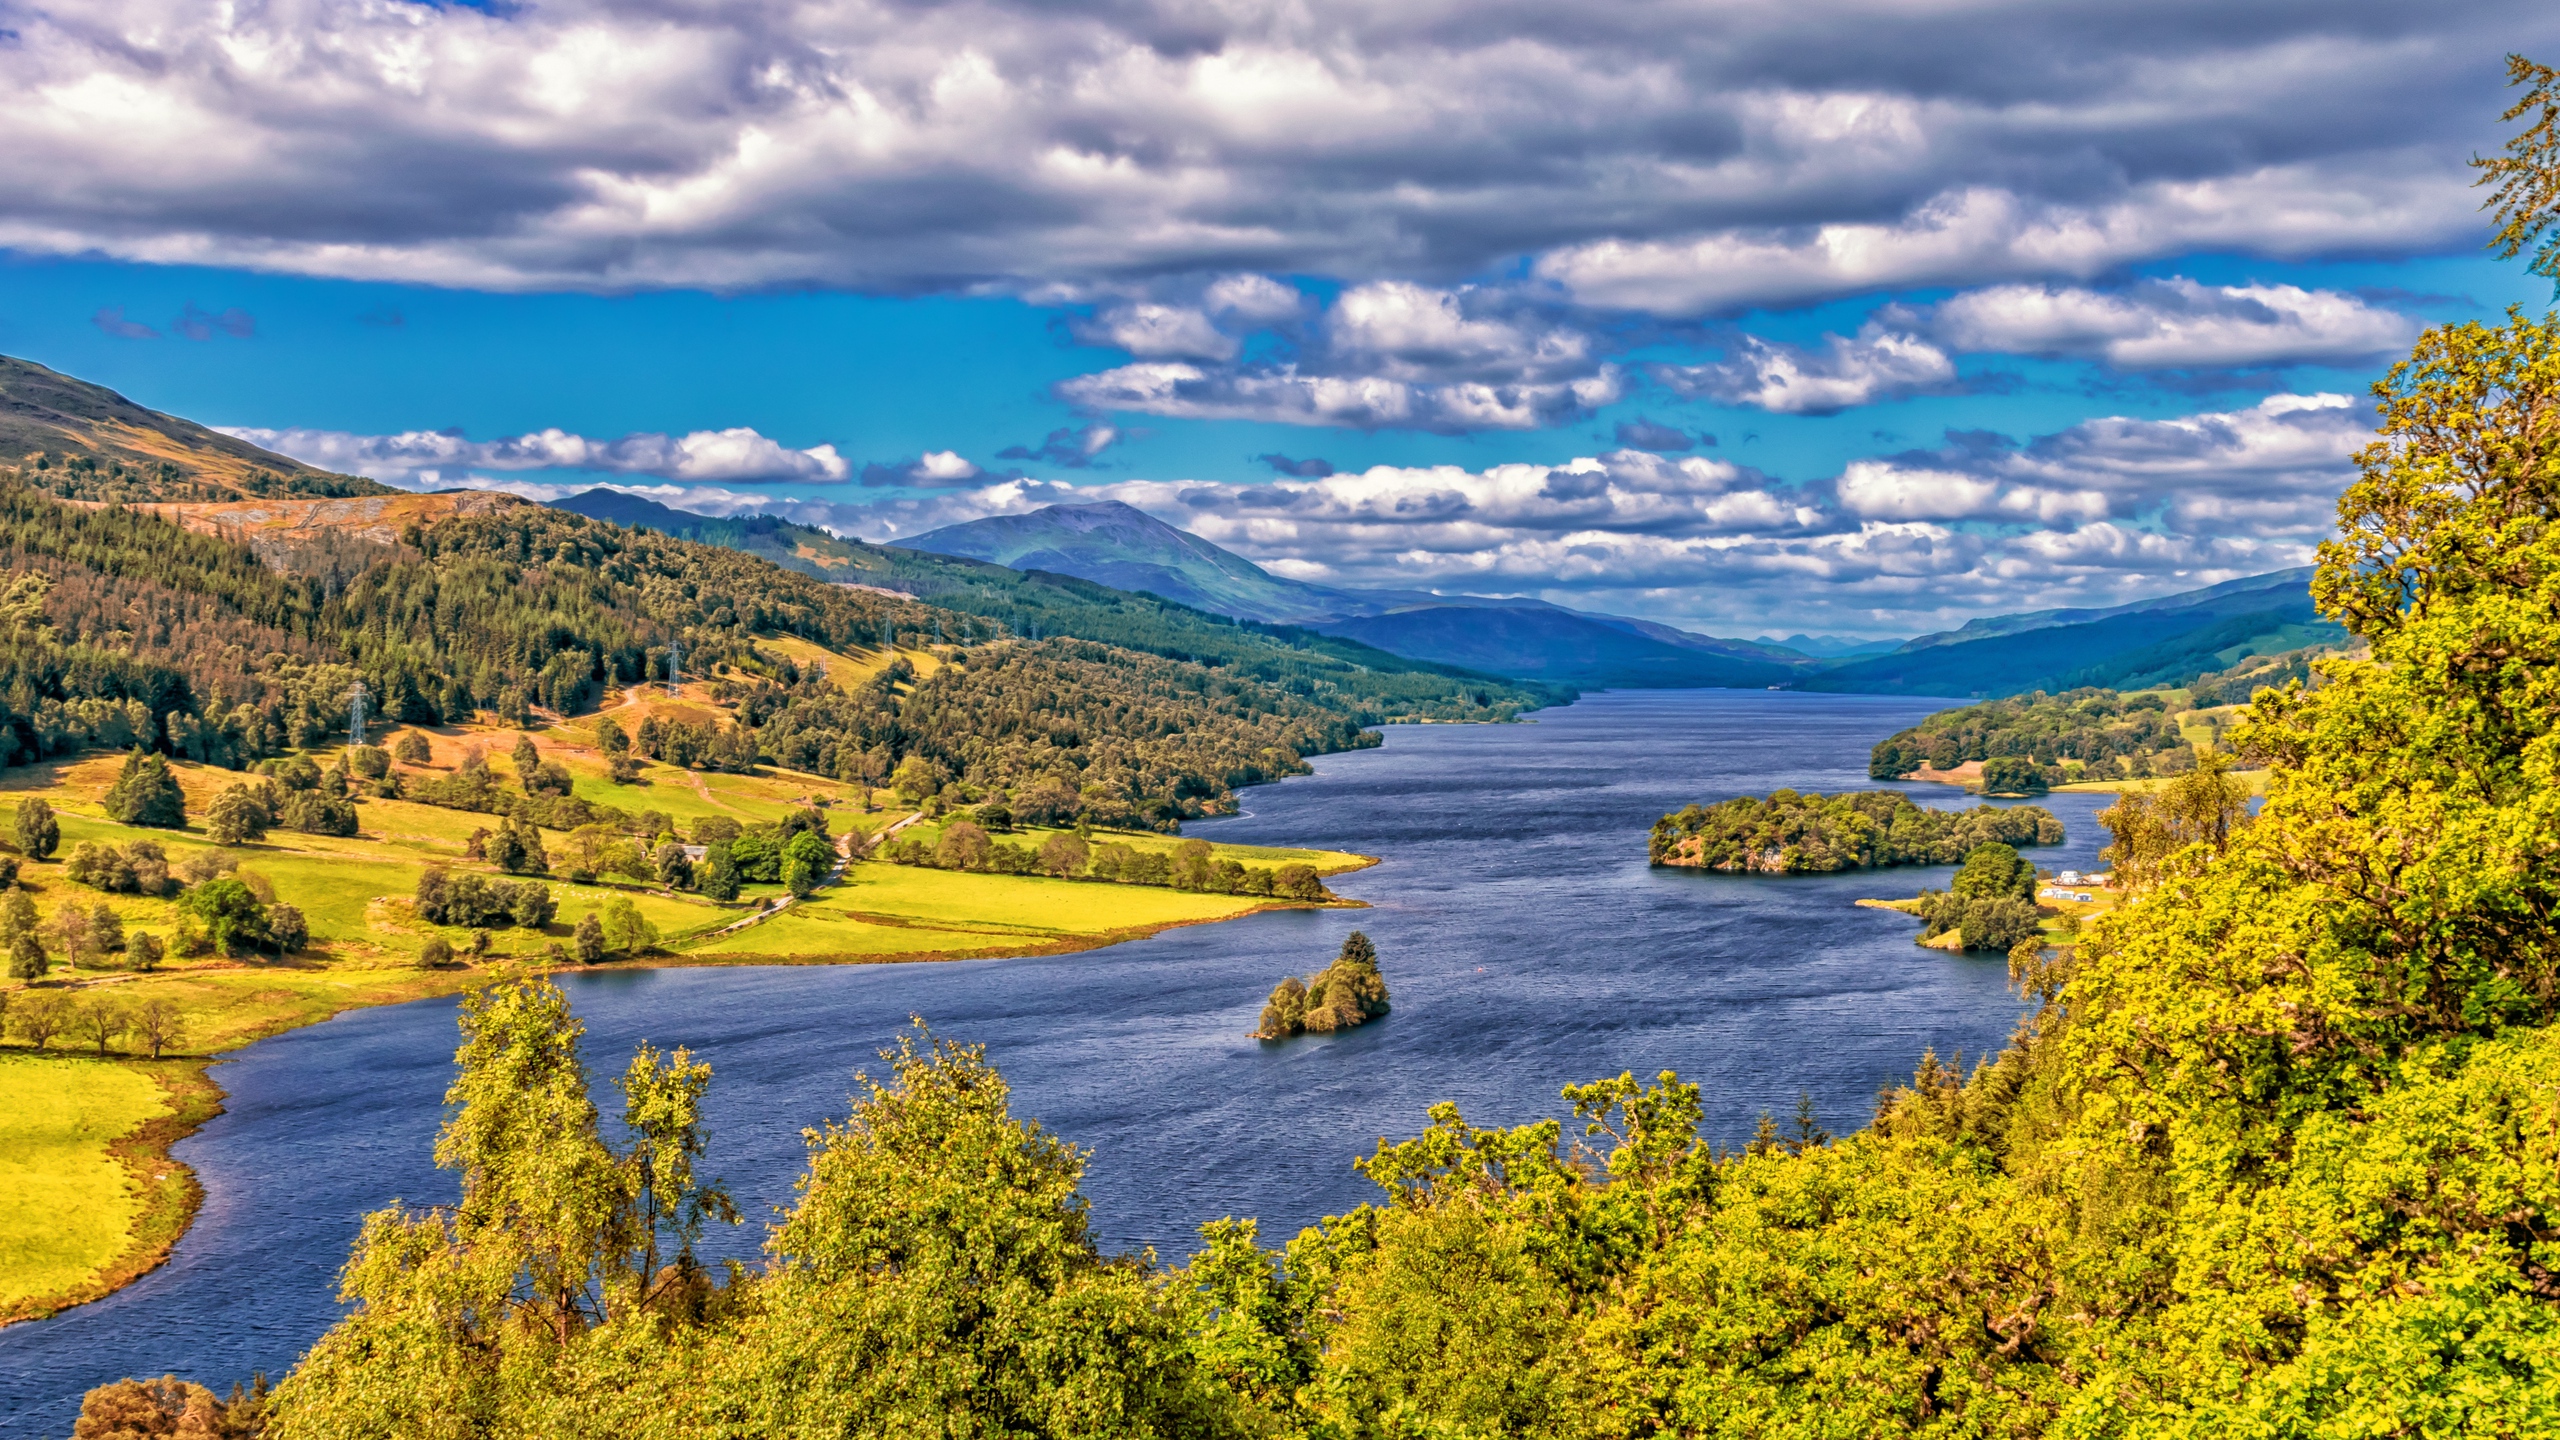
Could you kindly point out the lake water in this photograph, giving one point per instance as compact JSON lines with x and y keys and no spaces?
{"x":1526,"y":942}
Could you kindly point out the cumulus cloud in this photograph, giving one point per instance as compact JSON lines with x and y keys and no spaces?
{"x":933,"y":470}
{"x":2096,"y":513}
{"x":1075,"y":447}
{"x":1314,"y":467}
{"x":1660,"y":160}
{"x":430,"y":457}
{"x":1284,"y":395}
{"x":1388,"y":355}
{"x":1643,"y":434}
{"x":1150,"y":330}
{"x":2175,"y":323}
{"x":1842,"y":372}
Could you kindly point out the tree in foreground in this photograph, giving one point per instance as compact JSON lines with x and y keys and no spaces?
{"x":169,"y":1406}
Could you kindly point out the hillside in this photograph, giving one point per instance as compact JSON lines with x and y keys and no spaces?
{"x":2160,"y":642}
{"x":1127,"y":549}
{"x":1564,"y":647}
{"x":87,"y":442}
{"x":1040,"y":603}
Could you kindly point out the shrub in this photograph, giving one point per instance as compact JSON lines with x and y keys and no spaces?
{"x":412,"y":748}
{"x":316,"y":812}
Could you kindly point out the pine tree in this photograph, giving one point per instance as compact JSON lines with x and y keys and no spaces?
{"x":145,"y":793}
{"x":38,"y":833}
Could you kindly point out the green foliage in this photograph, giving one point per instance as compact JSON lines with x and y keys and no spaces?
{"x":467,"y":898}
{"x":232,"y":914}
{"x":2012,"y":775}
{"x":38,"y":834}
{"x":145,"y":793}
{"x":1788,"y":832}
{"x":2526,"y":197}
{"x":2109,"y":734}
{"x":1342,"y":996}
{"x":807,"y":860}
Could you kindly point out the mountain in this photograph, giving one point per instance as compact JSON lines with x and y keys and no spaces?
{"x":1044,"y":603}
{"x":1124,"y":547}
{"x":1834,"y":647}
{"x":2148,"y":643}
{"x":1530,"y":641}
{"x":86,"y":442}
{"x":1128,"y":549}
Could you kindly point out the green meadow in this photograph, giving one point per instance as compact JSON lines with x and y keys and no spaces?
{"x":66,"y":1204}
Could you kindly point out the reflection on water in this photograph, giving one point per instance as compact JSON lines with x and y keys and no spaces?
{"x":1527,"y":943}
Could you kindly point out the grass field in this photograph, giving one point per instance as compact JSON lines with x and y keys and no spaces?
{"x":66,"y":1203}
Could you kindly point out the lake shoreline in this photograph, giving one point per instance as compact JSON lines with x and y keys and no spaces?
{"x":173,"y":1195}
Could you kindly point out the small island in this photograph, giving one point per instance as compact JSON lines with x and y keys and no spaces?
{"x":1790,"y":833}
{"x":1345,"y":994}
{"x":1990,"y":906}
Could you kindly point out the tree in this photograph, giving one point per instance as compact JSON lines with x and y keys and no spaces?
{"x":40,"y":1017}
{"x":145,"y":950}
{"x":289,"y":930}
{"x":2012,"y":775}
{"x":460,"y":1315}
{"x":1064,"y":856}
{"x":106,"y":929}
{"x":718,"y":875}
{"x":1285,"y":1013}
{"x":528,"y":760}
{"x":674,"y":867}
{"x":916,"y":777}
{"x":1993,"y":870}
{"x":145,"y":793}
{"x":238,"y":815}
{"x":370,"y":761}
{"x":610,"y":739}
{"x":37,"y":832}
{"x":1192,"y":865}
{"x":100,"y":1020}
{"x":137,"y":1409}
{"x":233,"y":916}
{"x":2202,"y":807}
{"x":963,"y":846}
{"x":435,"y":954}
{"x":27,"y":960}
{"x":516,"y":847}
{"x":808,"y":860}
{"x":413,"y":748}
{"x":626,"y":930}
{"x":590,"y":940}
{"x":71,"y":932}
{"x":1298,"y":882}
{"x":159,"y":1024}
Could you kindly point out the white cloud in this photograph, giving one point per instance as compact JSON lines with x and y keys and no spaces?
{"x":1879,"y":364}
{"x":1976,"y":233}
{"x":1281,"y":394}
{"x":2174,"y":323}
{"x":1669,"y":160}
{"x":1151,"y":331}
{"x":708,"y":456}
{"x":2100,"y":512}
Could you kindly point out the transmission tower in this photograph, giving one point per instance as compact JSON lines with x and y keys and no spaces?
{"x":675,"y":664}
{"x":355,"y":712}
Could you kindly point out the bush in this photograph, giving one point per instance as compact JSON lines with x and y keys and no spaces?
{"x":436,"y":952}
{"x":370,"y":761}
{"x":412,"y":748}
{"x":238,"y":814}
{"x":235,"y":919}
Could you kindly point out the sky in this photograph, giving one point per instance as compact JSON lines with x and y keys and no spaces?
{"x":1855,"y":319}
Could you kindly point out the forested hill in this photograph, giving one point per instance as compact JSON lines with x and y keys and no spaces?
{"x":120,"y":628}
{"x":1374,"y":683}
{"x":87,"y":442}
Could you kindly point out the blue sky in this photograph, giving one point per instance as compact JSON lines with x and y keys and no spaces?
{"x":1984,"y":307}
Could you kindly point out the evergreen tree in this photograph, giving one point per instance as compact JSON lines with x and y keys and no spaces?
{"x":145,"y":793}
